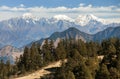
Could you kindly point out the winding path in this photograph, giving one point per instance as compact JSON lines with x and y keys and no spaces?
{"x":41,"y":72}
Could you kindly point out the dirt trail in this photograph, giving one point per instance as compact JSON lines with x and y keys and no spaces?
{"x":41,"y":72}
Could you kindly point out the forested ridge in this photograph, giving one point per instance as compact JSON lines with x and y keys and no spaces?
{"x":83,"y":60}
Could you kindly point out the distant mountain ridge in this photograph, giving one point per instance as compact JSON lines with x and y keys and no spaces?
{"x":107,"y":33}
{"x":73,"y":33}
{"x":10,"y":52}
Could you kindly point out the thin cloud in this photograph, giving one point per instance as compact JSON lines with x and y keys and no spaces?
{"x":22,"y":5}
{"x":15,"y":9}
{"x":81,"y":4}
{"x":107,"y":12}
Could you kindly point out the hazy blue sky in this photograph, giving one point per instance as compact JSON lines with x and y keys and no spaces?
{"x":108,"y":9}
{"x":56,"y":3}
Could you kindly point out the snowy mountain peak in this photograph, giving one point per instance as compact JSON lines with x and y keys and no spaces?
{"x":88,"y":16}
{"x":85,"y":19}
{"x":63,"y":17}
{"x":27,"y":15}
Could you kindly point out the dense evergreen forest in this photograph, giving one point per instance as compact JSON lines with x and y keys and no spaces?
{"x":84,"y":60}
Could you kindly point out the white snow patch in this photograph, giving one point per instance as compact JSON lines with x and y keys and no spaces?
{"x":27,"y":15}
{"x":63,"y":17}
{"x":10,"y":26}
{"x":85,"y":19}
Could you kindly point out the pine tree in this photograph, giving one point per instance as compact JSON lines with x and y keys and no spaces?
{"x":8,"y":66}
{"x":74,"y":59}
{"x":111,"y":49}
{"x":93,"y":65}
{"x":26,"y":59}
{"x":114,"y":73}
{"x":103,"y":73}
{"x":82,"y":72}
{"x":60,"y":52}
{"x":47,"y":54}
{"x":82,"y":48}
{"x":23,"y":69}
{"x":70,"y":75}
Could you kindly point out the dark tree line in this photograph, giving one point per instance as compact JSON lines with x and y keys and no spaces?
{"x":82,"y":60}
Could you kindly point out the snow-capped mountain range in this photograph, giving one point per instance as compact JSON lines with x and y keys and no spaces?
{"x":27,"y":28}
